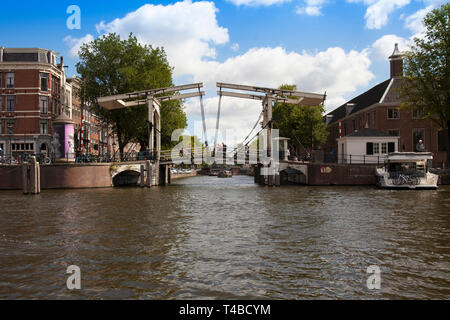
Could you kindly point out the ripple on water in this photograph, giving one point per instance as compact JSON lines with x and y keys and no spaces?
{"x":209,"y":238}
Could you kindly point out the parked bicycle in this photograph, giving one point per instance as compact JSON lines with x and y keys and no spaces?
{"x":403,"y":179}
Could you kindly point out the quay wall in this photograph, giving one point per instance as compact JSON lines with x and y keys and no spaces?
{"x":184,"y":175}
{"x":74,"y":176}
{"x":11,"y":177}
{"x":340,"y":174}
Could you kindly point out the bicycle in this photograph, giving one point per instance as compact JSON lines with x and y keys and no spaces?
{"x":403,"y":179}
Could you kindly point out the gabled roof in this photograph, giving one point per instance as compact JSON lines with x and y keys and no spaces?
{"x":365,"y":100}
{"x":367,"y":132}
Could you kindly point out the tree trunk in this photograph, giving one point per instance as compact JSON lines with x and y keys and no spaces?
{"x":448,"y":145}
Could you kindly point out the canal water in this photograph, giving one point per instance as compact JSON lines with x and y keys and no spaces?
{"x":210,"y":238}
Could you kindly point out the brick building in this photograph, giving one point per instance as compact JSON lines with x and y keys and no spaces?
{"x":31,"y":96}
{"x":90,"y":133}
{"x":379,"y":109}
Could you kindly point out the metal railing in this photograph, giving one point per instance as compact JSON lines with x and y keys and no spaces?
{"x":355,"y":159}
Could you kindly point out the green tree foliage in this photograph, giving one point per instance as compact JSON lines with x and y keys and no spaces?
{"x":109,"y":66}
{"x":304,"y":125}
{"x":427,"y":70}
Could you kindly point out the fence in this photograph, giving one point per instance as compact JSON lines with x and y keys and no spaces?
{"x":355,"y":159}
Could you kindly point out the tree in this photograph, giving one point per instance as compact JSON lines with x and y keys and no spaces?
{"x":109,"y":66}
{"x":426,"y":85}
{"x":304,"y":125}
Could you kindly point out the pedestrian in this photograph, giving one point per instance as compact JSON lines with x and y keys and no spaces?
{"x":288,"y":153}
{"x":420,"y":147}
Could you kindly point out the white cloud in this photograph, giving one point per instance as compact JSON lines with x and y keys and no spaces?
{"x":256,"y":3}
{"x":414,"y":22}
{"x":383,"y":48}
{"x":75,"y":44}
{"x":378,"y":11}
{"x":311,"y":7}
{"x":188,"y":31}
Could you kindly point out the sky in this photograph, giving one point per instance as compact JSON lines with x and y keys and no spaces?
{"x":340,"y":47}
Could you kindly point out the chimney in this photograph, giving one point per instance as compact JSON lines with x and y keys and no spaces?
{"x":396,"y":60}
{"x":62,"y":63}
{"x":1,"y":54}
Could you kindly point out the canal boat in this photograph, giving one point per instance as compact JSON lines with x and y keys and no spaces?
{"x":225,"y":174}
{"x":214,"y":173}
{"x":407,"y":170}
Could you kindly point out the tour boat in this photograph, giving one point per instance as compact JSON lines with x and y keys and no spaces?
{"x":225,"y":174}
{"x":407,"y":170}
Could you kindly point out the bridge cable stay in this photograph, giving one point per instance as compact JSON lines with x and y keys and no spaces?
{"x":236,"y":149}
{"x":218,"y":120}
{"x":205,"y":135}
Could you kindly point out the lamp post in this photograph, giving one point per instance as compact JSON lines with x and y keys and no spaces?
{"x":114,"y":149}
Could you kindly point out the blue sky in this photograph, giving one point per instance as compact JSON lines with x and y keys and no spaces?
{"x":338,"y":46}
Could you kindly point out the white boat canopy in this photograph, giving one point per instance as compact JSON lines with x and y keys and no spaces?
{"x":409,"y":156}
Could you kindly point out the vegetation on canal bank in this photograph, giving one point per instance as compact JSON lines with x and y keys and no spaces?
{"x":427,"y":71}
{"x":108,"y":66}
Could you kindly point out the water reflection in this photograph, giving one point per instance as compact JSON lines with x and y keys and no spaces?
{"x":205,"y":237}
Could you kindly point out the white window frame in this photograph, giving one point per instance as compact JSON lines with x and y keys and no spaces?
{"x":393,"y":118}
{"x":376,"y":148}
{"x":43,"y":130}
{"x":8,"y":109}
{"x":10,"y":84}
{"x":43,"y":106}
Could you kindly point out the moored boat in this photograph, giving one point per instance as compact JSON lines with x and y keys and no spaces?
{"x":225,"y":174}
{"x":407,"y":170}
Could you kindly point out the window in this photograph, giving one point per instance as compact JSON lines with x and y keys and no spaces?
{"x":375,"y":118}
{"x":22,"y":146}
{"x":44,"y":127}
{"x":417,"y":114}
{"x":369,"y":148}
{"x":394,"y":132}
{"x":10,"y":80}
{"x":368,"y":119}
{"x":376,"y":148}
{"x":1,"y":78}
{"x":10,"y":103}
{"x":393,"y":113}
{"x":384,"y":148}
{"x":10,"y":127}
{"x":354,"y":125}
{"x":418,"y":134}
{"x":391,"y":147}
{"x":1,"y":126}
{"x":44,"y":82}
{"x":442,"y":141}
{"x":44,"y":105}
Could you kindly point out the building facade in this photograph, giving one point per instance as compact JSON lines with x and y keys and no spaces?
{"x":31,"y":97}
{"x":379,"y":109}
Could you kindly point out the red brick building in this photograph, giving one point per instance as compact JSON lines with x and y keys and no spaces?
{"x":379,"y":109}
{"x":90,"y":132}
{"x":31,"y":97}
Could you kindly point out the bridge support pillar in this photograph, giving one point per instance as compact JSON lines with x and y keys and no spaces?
{"x":142,"y":177}
{"x":148,"y":166}
{"x":31,"y":177}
